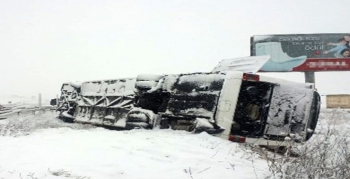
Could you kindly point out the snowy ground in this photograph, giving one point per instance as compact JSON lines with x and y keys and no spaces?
{"x":41,"y":146}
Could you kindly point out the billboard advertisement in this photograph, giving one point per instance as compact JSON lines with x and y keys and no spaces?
{"x":303,"y":52}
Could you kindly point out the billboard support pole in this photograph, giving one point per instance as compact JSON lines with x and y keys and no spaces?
{"x":309,"y":76}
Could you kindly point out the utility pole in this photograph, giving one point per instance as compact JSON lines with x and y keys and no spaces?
{"x":309,"y":76}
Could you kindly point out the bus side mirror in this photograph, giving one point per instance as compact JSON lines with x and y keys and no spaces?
{"x":53,"y":102}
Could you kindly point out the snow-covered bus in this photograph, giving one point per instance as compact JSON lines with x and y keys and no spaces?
{"x":233,"y":105}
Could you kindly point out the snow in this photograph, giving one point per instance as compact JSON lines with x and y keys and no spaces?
{"x":251,"y":64}
{"x":201,"y":80}
{"x":144,"y":112}
{"x":71,"y":151}
{"x":41,"y":146}
{"x":107,"y":87}
{"x":70,"y":87}
{"x":146,"y":84}
{"x":169,"y":82}
{"x":197,"y":80}
{"x":203,"y":123}
{"x":286,"y":98}
{"x":197,"y":112}
{"x":149,"y":77}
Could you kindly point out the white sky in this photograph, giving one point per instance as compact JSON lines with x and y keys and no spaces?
{"x":46,"y":43}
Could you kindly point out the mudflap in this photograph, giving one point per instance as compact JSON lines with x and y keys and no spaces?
{"x":66,"y":117}
{"x":208,"y":126}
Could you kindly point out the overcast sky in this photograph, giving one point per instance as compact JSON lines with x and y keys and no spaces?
{"x":45,"y":43}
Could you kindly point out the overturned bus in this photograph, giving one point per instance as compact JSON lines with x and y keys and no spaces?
{"x":233,"y":105}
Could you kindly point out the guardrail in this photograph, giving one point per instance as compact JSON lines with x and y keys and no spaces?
{"x":14,"y":112}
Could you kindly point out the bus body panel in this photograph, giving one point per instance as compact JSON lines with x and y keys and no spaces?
{"x":218,"y":101}
{"x":228,"y":101}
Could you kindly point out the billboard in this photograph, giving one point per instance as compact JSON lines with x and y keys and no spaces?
{"x":303,"y":52}
{"x":338,"y":101}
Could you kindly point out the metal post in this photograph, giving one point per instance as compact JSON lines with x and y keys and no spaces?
{"x":309,"y":77}
{"x":39,"y":100}
{"x":57,"y":100}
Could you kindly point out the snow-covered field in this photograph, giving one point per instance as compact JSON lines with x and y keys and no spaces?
{"x":41,"y":146}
